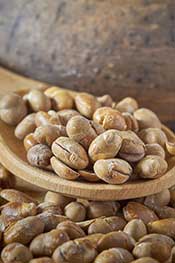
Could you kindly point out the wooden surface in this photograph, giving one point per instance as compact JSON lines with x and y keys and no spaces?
{"x":13,"y":157}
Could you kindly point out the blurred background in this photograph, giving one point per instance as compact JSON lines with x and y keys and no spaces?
{"x":124,"y":48}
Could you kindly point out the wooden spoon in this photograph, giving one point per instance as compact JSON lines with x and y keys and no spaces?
{"x":13,"y":157}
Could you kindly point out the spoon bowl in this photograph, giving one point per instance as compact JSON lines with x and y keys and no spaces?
{"x":13,"y":157}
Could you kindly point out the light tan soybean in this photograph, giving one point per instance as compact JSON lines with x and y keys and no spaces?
{"x":75,"y":211}
{"x":45,"y":118}
{"x":16,"y":252}
{"x":155,"y":149}
{"x":151,"y":166}
{"x":37,"y":100}
{"x":105,"y":100}
{"x":134,"y":210}
{"x":70,"y":152}
{"x":109,"y":118}
{"x":72,"y":229}
{"x":163,"y":226}
{"x":135,"y":228}
{"x":66,"y":115}
{"x":39,"y":155}
{"x":132,"y":148}
{"x":97,"y":209}
{"x":106,"y":225}
{"x":24,"y":230}
{"x":75,"y":251}
{"x":153,"y":135}
{"x":80,"y":130}
{"x":12,"y":109}
{"x":89,"y":175}
{"x":86,"y":104}
{"x":127,"y":104}
{"x":147,"y":119}
{"x":115,"y":239}
{"x":114,"y":255}
{"x":105,"y":145}
{"x":47,"y":134}
{"x":113,"y":171}
{"x":26,"y":126}
{"x":45,"y":244}
{"x":63,"y":170}
{"x":62,"y":100}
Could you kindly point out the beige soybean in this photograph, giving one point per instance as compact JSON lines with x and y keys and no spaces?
{"x":41,"y":260}
{"x":113,"y":171}
{"x":131,"y":122}
{"x":116,"y":239}
{"x":51,"y":220}
{"x":155,"y":149}
{"x":26,"y":126}
{"x":75,"y":211}
{"x":159,"y":199}
{"x":39,"y":155}
{"x":97,"y":209}
{"x":63,"y":170}
{"x":80,"y":130}
{"x":29,"y":141}
{"x":106,"y":225}
{"x":109,"y":118}
{"x":86,"y":104}
{"x":57,"y":199}
{"x":163,"y":226}
{"x":45,"y":244}
{"x":147,"y":119}
{"x":12,"y":109}
{"x":135,"y":228}
{"x":72,"y":229}
{"x":47,"y":134}
{"x":70,"y":152}
{"x":16,"y":252}
{"x":165,"y":212}
{"x":153,"y":135}
{"x":158,"y":250}
{"x":134,"y":210}
{"x":114,"y":255}
{"x":24,"y":230}
{"x":127,"y":104}
{"x":132,"y":148}
{"x":105,"y":100}
{"x":75,"y":251}
{"x":45,"y":118}
{"x":151,"y":167}
{"x":37,"y":100}
{"x":12,"y":195}
{"x":157,"y":238}
{"x":61,"y":100}
{"x":105,"y":145}
{"x":66,"y":115}
{"x":18,"y":210}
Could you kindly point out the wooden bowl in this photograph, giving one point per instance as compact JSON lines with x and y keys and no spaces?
{"x":13,"y":157}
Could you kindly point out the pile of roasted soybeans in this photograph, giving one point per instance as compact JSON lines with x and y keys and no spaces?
{"x":60,"y":229}
{"x":83,"y":137}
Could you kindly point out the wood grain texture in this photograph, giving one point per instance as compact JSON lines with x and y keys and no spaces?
{"x":13,"y":157}
{"x":124,"y":48}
